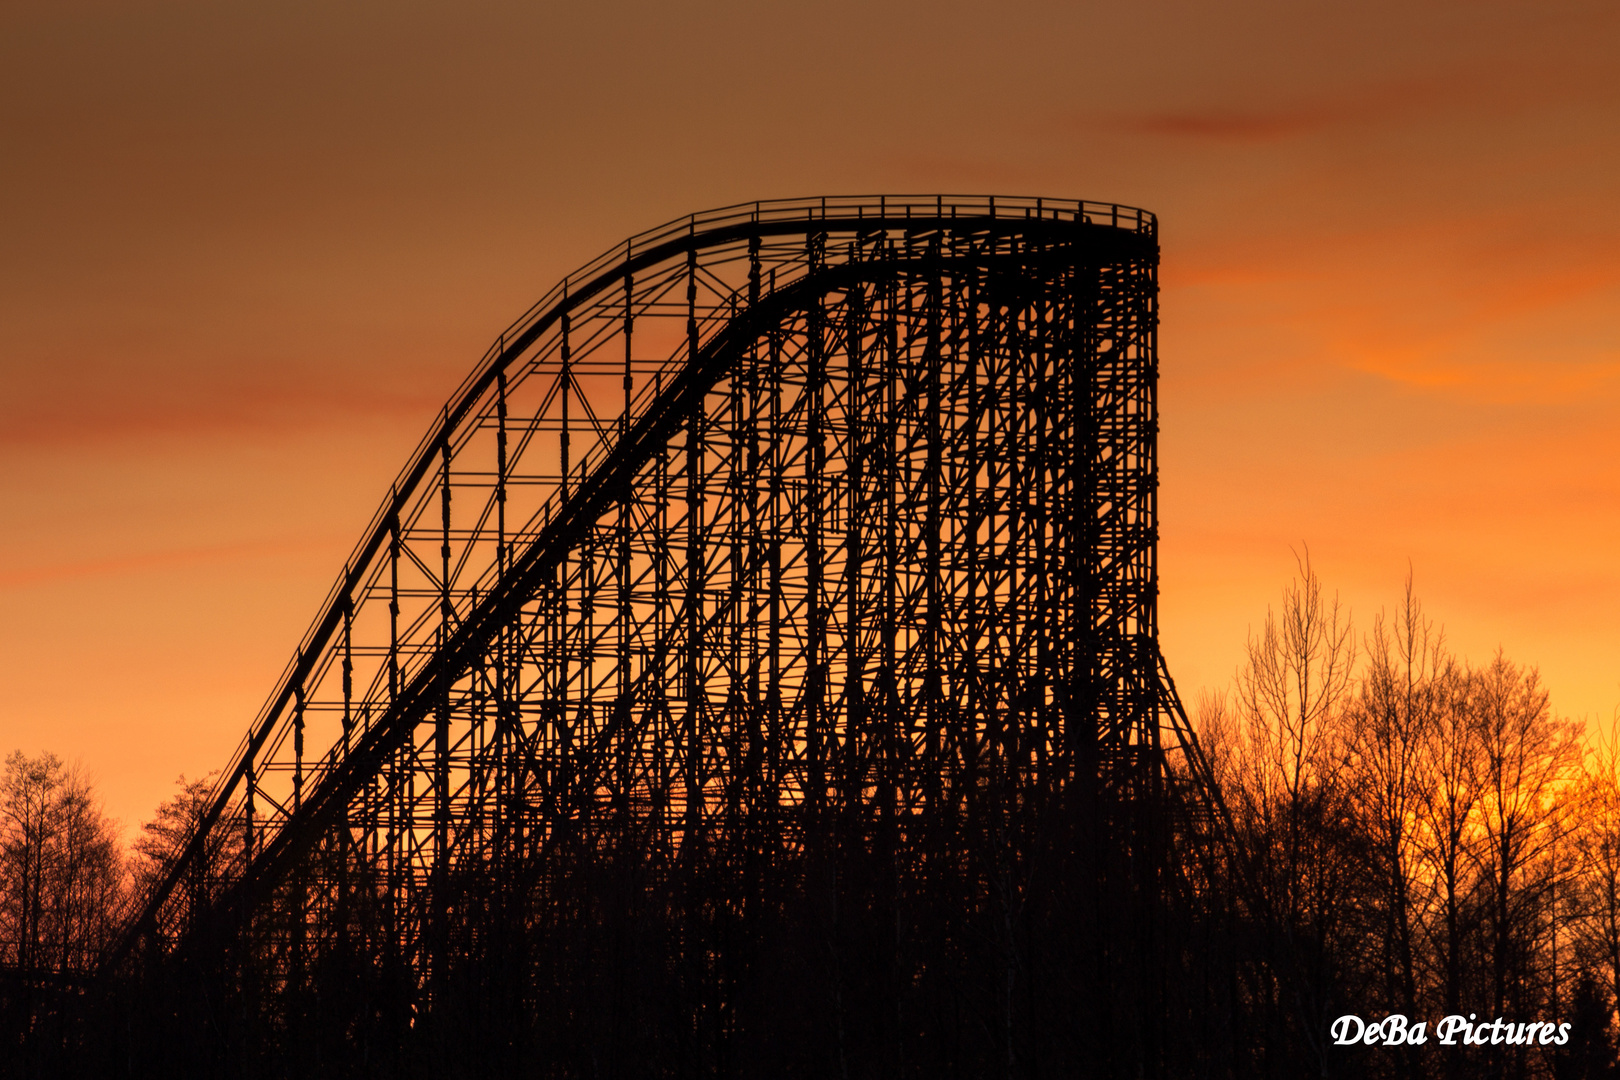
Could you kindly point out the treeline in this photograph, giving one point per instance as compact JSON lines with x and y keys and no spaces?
{"x":1413,"y":834}
{"x":67,"y":887}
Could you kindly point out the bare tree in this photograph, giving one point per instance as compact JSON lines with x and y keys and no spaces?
{"x":1292,"y":696}
{"x":1283,"y":756}
{"x":1405,"y":690}
{"x":1596,"y":845}
{"x":1295,"y":685}
{"x":61,"y":878}
{"x":164,"y":839}
{"x":1527,"y":763}
{"x":1448,"y":824}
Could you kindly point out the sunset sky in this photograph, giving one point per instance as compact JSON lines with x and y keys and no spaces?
{"x":248,"y":249}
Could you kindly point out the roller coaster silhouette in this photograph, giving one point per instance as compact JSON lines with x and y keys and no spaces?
{"x":753,"y":672}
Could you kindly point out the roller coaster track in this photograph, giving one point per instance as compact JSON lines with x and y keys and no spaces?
{"x":778,"y":530}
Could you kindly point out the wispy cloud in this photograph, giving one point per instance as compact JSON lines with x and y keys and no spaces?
{"x":1231,"y":125}
{"x":165,"y":559}
{"x":57,"y":415}
{"x":1241,"y":125}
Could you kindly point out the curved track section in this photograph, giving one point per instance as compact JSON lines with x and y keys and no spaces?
{"x":790,"y":543}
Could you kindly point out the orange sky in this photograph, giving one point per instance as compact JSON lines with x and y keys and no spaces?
{"x":247,"y":250}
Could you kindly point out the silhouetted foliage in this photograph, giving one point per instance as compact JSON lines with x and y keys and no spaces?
{"x":1590,"y":1054}
{"x":1431,"y":841}
{"x":61,"y":893}
{"x":162,"y":841}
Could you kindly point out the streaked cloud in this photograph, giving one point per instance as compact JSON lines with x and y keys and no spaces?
{"x":184,"y":558}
